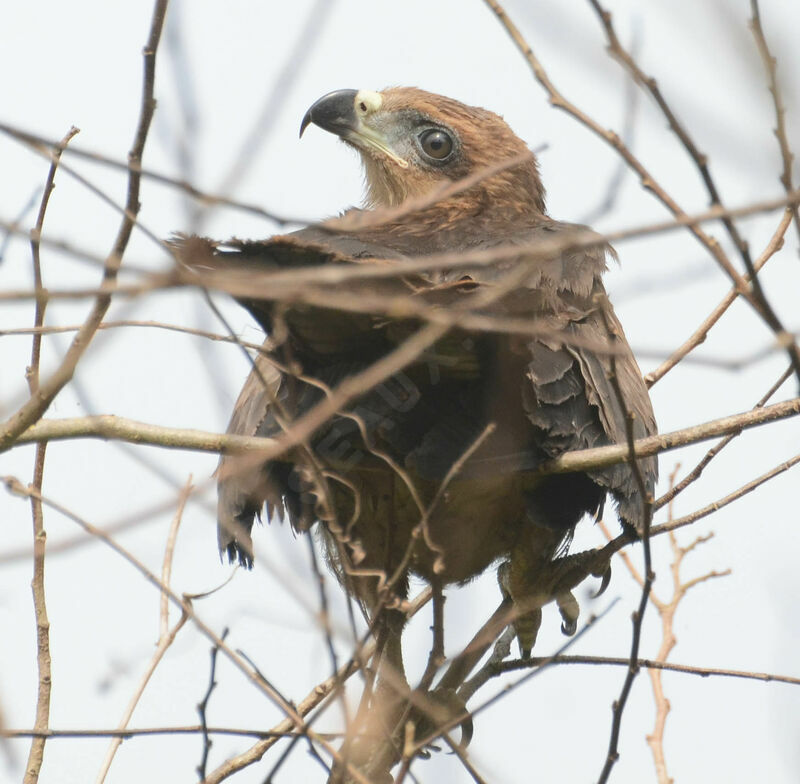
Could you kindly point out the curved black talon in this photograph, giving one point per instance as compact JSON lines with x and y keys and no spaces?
{"x":605,"y":576}
{"x":570,"y":612}
{"x":569,"y":628}
{"x":467,"y":728}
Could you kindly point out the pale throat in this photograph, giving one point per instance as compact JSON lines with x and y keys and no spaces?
{"x":384,"y":188}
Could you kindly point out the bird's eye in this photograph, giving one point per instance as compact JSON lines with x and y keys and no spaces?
{"x":436,"y":144}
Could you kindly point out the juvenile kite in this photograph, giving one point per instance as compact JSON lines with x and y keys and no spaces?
{"x":433,"y":469}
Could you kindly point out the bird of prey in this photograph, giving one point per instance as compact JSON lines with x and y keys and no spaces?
{"x":434,"y":470}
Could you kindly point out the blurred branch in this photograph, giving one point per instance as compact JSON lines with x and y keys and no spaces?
{"x":393,"y":268}
{"x":205,"y":198}
{"x":16,"y":225}
{"x":629,"y":123}
{"x":313,"y":26}
{"x":701,"y":333}
{"x":184,"y":603}
{"x":489,"y":324}
{"x":700,"y":160}
{"x":38,"y":404}
{"x":117,"y":324}
{"x":324,"y":617}
{"x":166,"y":635}
{"x":125,"y":211}
{"x":316,"y":696}
{"x":326,"y":686}
{"x":771,"y":67}
{"x":752,"y":293}
{"x":134,"y":732}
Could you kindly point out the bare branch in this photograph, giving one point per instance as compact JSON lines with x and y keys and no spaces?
{"x":614,"y":661}
{"x":166,"y":635}
{"x":752,"y":293}
{"x":109,"y":426}
{"x":203,"y":706}
{"x":700,"y":159}
{"x":701,"y":333}
{"x":205,"y":198}
{"x":771,"y":67}
{"x":38,"y":404}
{"x":184,"y":603}
{"x":697,"y":471}
{"x":43,"y":660}
{"x":715,"y":506}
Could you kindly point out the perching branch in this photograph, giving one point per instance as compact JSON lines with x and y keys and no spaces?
{"x":109,"y":426}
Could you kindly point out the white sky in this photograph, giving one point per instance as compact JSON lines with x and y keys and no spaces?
{"x":79,"y":63}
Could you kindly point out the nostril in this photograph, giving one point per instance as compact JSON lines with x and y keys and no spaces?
{"x":363,"y":107}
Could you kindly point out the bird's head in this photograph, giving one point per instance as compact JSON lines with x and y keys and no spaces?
{"x":412,"y":142}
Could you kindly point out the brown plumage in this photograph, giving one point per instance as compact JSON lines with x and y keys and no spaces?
{"x":544,"y":393}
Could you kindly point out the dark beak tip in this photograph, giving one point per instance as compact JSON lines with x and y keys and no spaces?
{"x":333,"y":112}
{"x":305,"y":123}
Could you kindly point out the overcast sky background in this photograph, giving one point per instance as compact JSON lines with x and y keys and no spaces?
{"x":225,"y":69}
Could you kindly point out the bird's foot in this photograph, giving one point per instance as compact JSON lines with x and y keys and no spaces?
{"x":569,"y":571}
{"x":554,"y":581}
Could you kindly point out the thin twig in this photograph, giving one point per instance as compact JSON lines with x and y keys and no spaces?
{"x":751,"y":293}
{"x":666,"y":611}
{"x":342,"y":273}
{"x":318,"y":694}
{"x":38,"y":403}
{"x":649,"y":576}
{"x":43,"y":660}
{"x":166,"y":635}
{"x":624,"y":661}
{"x":325,"y":623}
{"x":204,"y":198}
{"x":700,"y":159}
{"x":701,"y":333}
{"x":479,"y":323}
{"x":715,"y":506}
{"x":781,"y":134}
{"x":119,"y":323}
{"x":697,"y":471}
{"x":202,"y":707}
{"x":184,"y":603}
{"x":134,"y":732}
{"x":544,"y":662}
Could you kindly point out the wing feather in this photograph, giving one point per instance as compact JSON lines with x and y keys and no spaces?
{"x":565,"y":386}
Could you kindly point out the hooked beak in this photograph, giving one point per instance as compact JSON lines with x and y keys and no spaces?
{"x":334,"y":112}
{"x":347,"y":114}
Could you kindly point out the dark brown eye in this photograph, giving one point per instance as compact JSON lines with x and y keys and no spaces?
{"x":436,"y":144}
